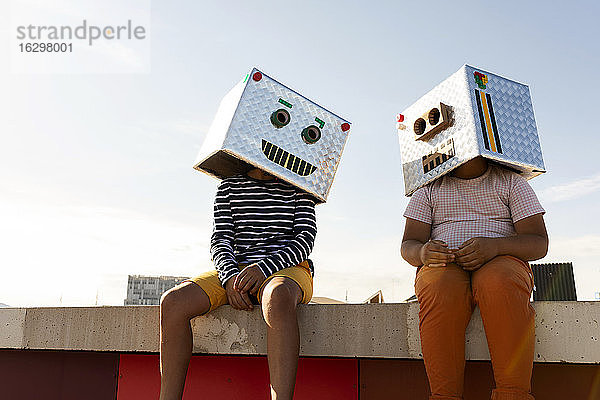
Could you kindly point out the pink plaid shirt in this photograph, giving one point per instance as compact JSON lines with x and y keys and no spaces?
{"x":486,"y":206}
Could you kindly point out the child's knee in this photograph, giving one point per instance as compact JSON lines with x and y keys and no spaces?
{"x":182,"y":301}
{"x":502,"y":275}
{"x":278,"y":298}
{"x":171,"y":302}
{"x":439,"y":289}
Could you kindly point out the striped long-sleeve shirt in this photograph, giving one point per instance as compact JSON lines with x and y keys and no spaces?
{"x":270,"y":223}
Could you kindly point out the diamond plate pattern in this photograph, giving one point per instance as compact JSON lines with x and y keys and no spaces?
{"x":515,"y":122}
{"x":250,"y":124}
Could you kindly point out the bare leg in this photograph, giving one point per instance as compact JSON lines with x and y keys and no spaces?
{"x":279,"y":300}
{"x":177,"y":307}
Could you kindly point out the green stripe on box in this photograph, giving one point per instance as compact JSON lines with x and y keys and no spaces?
{"x":285,"y":103}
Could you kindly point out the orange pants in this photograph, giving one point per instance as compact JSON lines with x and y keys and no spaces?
{"x":447,"y":296}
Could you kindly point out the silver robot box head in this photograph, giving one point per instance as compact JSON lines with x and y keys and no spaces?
{"x":262,"y":123}
{"x":472,"y":113}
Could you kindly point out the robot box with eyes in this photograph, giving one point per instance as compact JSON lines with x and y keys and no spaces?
{"x":471,"y":113}
{"x":262,"y":123}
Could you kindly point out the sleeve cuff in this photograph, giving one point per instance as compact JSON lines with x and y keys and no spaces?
{"x":262,"y":265}
{"x":419,"y":218}
{"x":224,"y":281}
{"x":529,"y":214}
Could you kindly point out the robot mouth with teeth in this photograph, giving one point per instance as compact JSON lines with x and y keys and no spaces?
{"x":264,"y":124}
{"x":287,"y":160}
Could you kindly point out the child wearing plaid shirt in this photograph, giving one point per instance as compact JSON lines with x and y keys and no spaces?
{"x":470,"y":234}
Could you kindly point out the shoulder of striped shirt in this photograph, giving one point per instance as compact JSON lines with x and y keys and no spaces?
{"x":242,"y":181}
{"x":262,"y":190}
{"x":236,"y":178}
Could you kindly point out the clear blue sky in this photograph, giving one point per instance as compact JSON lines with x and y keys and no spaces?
{"x":96,"y":169}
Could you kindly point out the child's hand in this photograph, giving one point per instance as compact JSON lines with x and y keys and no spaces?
{"x":436,"y":253}
{"x":475,"y":252}
{"x":249,"y":280}
{"x":237,"y":300}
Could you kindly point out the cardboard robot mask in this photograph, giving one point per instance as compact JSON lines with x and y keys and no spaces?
{"x":472,"y":113}
{"x":262,"y":123}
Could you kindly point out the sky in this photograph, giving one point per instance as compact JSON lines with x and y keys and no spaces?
{"x":96,"y":177}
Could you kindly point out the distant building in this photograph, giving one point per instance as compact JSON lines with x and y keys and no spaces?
{"x":146,"y":290}
{"x":325,"y":300}
{"x":375,"y":298}
{"x":411,"y":299}
{"x":554,"y":282}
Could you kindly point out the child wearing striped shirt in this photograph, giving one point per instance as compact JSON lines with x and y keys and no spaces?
{"x":264,"y":231}
{"x":471,"y":233}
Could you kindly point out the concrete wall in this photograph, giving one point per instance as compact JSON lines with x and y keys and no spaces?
{"x":565,"y":331}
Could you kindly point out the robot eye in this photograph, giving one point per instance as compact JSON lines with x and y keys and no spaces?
{"x":433,"y":116}
{"x":420,"y":126}
{"x":280,"y":118}
{"x":311,"y":134}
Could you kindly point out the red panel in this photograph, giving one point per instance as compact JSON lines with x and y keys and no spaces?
{"x":327,"y":379}
{"x":393,"y":379}
{"x":383,"y":379}
{"x":139,"y":377}
{"x":406,"y":380}
{"x":223,"y":377}
{"x":57,"y":375}
{"x":479,"y":380}
{"x":218,"y":377}
{"x":566,"y":381}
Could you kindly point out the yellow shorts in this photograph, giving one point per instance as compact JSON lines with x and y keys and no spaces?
{"x":209,"y":282}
